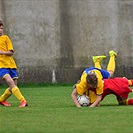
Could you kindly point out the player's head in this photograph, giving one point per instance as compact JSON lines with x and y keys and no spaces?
{"x":1,"y":23}
{"x":92,"y":79}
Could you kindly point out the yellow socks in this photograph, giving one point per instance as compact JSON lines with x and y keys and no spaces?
{"x":97,"y":65}
{"x":111,"y":64}
{"x":18,"y":94}
{"x":6,"y":95}
{"x":130,"y":101}
{"x":97,"y":60}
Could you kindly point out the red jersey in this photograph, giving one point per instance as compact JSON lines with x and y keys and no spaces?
{"x":118,"y":86}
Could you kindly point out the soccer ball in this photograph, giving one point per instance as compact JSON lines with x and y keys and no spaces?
{"x":83,"y":100}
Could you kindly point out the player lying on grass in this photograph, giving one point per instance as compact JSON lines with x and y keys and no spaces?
{"x":92,"y":78}
{"x":118,"y":86}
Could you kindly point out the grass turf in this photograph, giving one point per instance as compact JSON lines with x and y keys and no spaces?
{"x":51,"y":110}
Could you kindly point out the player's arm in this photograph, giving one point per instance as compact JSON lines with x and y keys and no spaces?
{"x":9,"y":46}
{"x":96,"y":103}
{"x":9,"y":53}
{"x":74,"y":97}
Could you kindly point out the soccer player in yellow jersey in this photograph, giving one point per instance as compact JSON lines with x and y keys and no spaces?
{"x":8,"y":70}
{"x":91,"y":79}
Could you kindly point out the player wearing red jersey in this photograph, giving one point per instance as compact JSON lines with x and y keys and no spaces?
{"x":118,"y":86}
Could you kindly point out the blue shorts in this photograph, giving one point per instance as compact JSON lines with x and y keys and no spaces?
{"x":12,"y":72}
{"x":104,"y":73}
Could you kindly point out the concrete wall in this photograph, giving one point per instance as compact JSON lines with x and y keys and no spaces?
{"x":0,"y":10}
{"x":54,"y":40}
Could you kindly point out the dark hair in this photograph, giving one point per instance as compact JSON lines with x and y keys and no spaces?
{"x":1,"y":23}
{"x":91,"y":79}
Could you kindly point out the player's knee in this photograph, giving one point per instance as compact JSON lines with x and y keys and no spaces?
{"x":111,"y":73}
{"x":10,"y":82}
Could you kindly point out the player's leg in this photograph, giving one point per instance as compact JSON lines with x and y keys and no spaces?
{"x":15,"y":90}
{"x":17,"y":93}
{"x":121,"y":100}
{"x":97,"y":60}
{"x":4,"y":97}
{"x":111,"y":64}
{"x":7,"y":93}
{"x":15,"y":81}
{"x":126,"y":102}
{"x":130,"y":101}
{"x":19,"y":96}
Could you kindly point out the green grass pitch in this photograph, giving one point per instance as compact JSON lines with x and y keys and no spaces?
{"x":51,"y":110}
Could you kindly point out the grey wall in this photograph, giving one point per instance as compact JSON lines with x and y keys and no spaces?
{"x":54,"y":40}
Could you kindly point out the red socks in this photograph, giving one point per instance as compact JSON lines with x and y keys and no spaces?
{"x":130,"y":101}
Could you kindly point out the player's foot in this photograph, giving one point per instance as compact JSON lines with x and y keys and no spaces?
{"x":113,"y":53}
{"x":98,"y":58}
{"x":5,"y":103}
{"x":23,"y":104}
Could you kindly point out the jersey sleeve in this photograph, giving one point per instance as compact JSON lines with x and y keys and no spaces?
{"x":99,"y":89}
{"x":9,"y":44}
{"x":92,"y":96}
{"x":82,"y":86}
